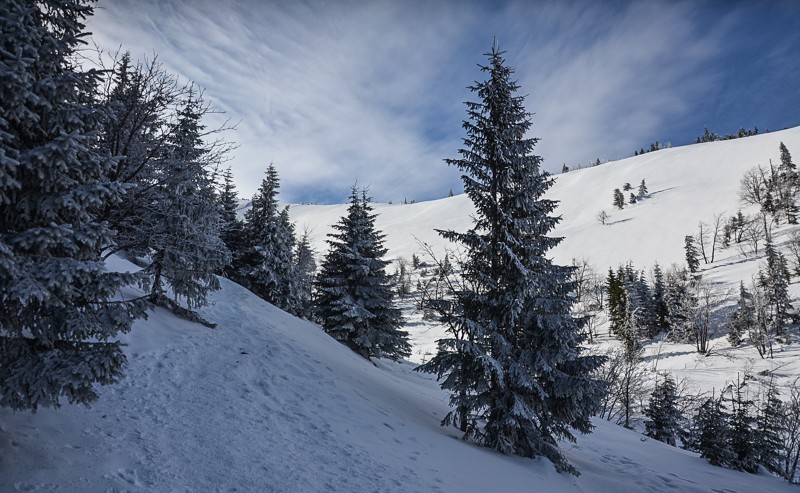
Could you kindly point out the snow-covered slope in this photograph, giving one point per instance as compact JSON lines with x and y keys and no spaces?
{"x":687,"y":185}
{"x":267,"y":402}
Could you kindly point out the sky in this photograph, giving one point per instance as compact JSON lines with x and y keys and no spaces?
{"x":339,"y":93}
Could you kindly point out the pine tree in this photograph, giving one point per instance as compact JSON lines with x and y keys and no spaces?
{"x":353,"y":298}
{"x":58,"y":319}
{"x":692,"y":259}
{"x":514,"y":361}
{"x":266,"y":266}
{"x":185,"y":244}
{"x":663,"y":414}
{"x":660,"y":309}
{"x":619,"y":199}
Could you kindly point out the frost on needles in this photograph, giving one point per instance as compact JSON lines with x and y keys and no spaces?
{"x":513,"y":363}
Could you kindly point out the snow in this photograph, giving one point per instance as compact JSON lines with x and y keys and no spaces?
{"x":268,"y":402}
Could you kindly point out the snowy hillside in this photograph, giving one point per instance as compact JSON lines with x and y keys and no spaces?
{"x":266,"y":402}
{"x":687,"y":185}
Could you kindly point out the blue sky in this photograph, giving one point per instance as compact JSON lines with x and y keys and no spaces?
{"x":371,"y":92}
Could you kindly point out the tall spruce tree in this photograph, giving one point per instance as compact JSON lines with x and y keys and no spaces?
{"x":774,"y":280}
{"x":266,"y":266}
{"x":711,"y":433}
{"x":186,"y":250}
{"x":305,"y":267}
{"x":692,"y":260}
{"x":742,"y":318}
{"x":57,"y":316}
{"x":770,"y":429}
{"x":513,"y":360}
{"x":232,"y":233}
{"x":354,"y":301}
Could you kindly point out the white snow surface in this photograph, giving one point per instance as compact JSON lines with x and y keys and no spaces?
{"x":267,"y":402}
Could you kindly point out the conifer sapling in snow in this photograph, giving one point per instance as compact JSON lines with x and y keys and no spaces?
{"x":663,"y":415}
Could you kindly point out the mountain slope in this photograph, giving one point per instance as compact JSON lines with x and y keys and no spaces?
{"x":267,"y":402}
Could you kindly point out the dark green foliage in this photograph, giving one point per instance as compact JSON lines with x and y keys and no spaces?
{"x":354,"y":301}
{"x":642,"y":189}
{"x":774,"y":280}
{"x":692,"y":259}
{"x":619,"y":199}
{"x":513,"y":361}
{"x":663,"y":413}
{"x":58,"y":319}
{"x":771,"y":429}
{"x":711,"y":433}
{"x":742,"y":319}
{"x":742,"y":435}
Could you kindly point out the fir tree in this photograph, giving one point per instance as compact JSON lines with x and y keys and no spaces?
{"x":353,"y":298}
{"x":514,"y":361}
{"x":232,"y":228}
{"x":692,"y":259}
{"x":742,"y":437}
{"x":642,"y":189}
{"x":770,"y":429}
{"x":663,"y":414}
{"x":660,"y":309}
{"x":619,"y":199}
{"x":57,"y":320}
{"x":185,"y":244}
{"x":305,"y":267}
{"x":711,"y":433}
{"x":774,"y":280}
{"x":632,"y":199}
{"x":742,"y":318}
{"x":267,"y":265}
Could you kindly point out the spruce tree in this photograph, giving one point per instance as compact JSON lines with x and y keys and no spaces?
{"x":742,"y":438}
{"x":266,"y":265}
{"x":232,"y":232}
{"x":663,"y":415}
{"x":305,"y":267}
{"x":642,"y":189}
{"x":692,"y":260}
{"x":186,"y":250}
{"x":660,"y":309}
{"x":58,"y":318}
{"x":513,"y":362}
{"x":742,"y":318}
{"x":711,"y":433}
{"x":619,"y":199}
{"x":353,"y":299}
{"x":770,"y":429}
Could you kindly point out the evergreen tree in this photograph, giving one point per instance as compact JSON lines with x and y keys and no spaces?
{"x":742,"y":437}
{"x":305,"y":267}
{"x":514,"y":360}
{"x":770,"y":429}
{"x":266,"y":266}
{"x":692,"y":259}
{"x":742,"y":318}
{"x":660,"y":309}
{"x":232,"y":233}
{"x":619,"y":199}
{"x":185,"y":244}
{"x":774,"y":280}
{"x":789,"y":181}
{"x":711,"y":433}
{"x":663,"y":415}
{"x":642,"y":189}
{"x":632,"y":199}
{"x":354,"y":301}
{"x":57,"y":320}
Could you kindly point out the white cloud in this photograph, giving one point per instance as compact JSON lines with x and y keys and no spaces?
{"x":334,"y":92}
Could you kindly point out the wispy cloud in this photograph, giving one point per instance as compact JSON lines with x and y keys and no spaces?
{"x":339,"y":92}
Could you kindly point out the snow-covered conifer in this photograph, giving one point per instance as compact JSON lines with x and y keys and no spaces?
{"x":711,"y":433}
{"x":513,"y":362}
{"x":663,"y":413}
{"x":353,"y":299}
{"x":742,"y":318}
{"x":267,"y":265}
{"x":692,"y":260}
{"x":305,"y":267}
{"x":57,"y":313}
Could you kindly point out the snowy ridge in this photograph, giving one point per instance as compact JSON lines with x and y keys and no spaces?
{"x":267,"y":402}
